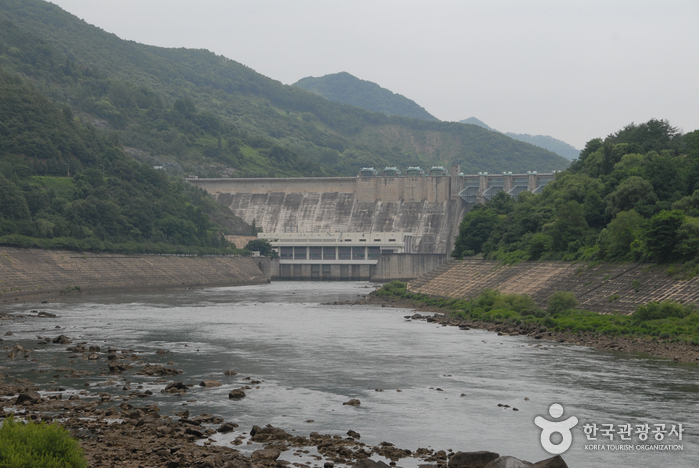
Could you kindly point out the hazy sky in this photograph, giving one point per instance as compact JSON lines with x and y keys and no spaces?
{"x":575,"y":70}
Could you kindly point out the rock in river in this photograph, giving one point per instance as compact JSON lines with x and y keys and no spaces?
{"x":62,"y":339}
{"x":472,"y":459}
{"x":210,"y":383}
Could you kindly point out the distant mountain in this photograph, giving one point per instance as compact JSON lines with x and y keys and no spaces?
{"x":548,"y":142}
{"x":475,"y":121}
{"x":347,"y":89}
{"x":543,"y":141}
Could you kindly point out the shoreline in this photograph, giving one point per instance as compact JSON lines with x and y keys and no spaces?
{"x":678,"y":352}
{"x":56,"y":296}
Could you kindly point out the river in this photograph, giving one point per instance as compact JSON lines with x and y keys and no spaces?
{"x":420,"y":384}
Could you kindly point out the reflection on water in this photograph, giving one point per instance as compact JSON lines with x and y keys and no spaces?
{"x":419,"y":384}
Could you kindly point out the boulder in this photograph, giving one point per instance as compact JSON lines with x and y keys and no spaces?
{"x":210,"y":383}
{"x":553,"y":462}
{"x":472,"y":459}
{"x":230,"y":372}
{"x":353,"y":434}
{"x":236,"y":394}
{"x":227,"y":427}
{"x":508,"y":462}
{"x":267,"y":454}
{"x":175,"y":387}
{"x":368,"y":463}
{"x":353,"y":402}
{"x":115,"y":367}
{"x":196,"y":433}
{"x":62,"y":339}
{"x":31,"y":397}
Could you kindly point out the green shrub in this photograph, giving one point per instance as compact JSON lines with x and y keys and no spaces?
{"x":501,"y":314}
{"x":42,"y":445}
{"x":561,"y":301}
{"x":661,"y":310}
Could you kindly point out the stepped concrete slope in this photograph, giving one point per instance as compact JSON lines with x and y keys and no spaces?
{"x":29,"y":272}
{"x":604,"y":288}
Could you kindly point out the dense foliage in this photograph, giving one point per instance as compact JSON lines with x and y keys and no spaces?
{"x":38,"y":445}
{"x":633,"y":196}
{"x":109,"y":202}
{"x":347,"y":89}
{"x":263,"y":246}
{"x":198,"y":113}
{"x":668,"y":321}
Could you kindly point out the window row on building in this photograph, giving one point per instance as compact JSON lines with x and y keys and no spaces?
{"x":329,"y":253}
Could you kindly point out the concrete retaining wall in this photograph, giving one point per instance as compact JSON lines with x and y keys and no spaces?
{"x":605,"y":288}
{"x":28,"y":272}
{"x":406,"y":266}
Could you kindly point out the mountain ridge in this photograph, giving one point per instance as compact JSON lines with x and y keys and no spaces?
{"x":216,"y":117}
{"x":345,"y":88}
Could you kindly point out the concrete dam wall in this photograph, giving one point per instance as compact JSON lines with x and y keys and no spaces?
{"x":427,"y":207}
{"x":434,"y":224}
{"x":604,"y":288}
{"x":34,"y":272}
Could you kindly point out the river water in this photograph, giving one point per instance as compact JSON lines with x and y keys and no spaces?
{"x":311,"y":357}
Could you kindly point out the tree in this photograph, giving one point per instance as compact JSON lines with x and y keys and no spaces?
{"x":262,"y":246}
{"x":617,"y":238}
{"x":13,"y":206}
{"x":570,"y":226}
{"x":662,"y":235}
{"x":634,"y":193}
{"x":474,"y":231}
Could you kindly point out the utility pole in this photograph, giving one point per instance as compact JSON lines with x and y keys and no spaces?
{"x":68,"y":164}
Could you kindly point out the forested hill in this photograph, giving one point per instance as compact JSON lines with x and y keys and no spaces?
{"x":198,"y":113}
{"x":347,"y":89}
{"x":63,"y":185}
{"x":633,"y":196}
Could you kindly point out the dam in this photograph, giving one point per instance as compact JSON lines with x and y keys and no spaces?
{"x":426,"y":209}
